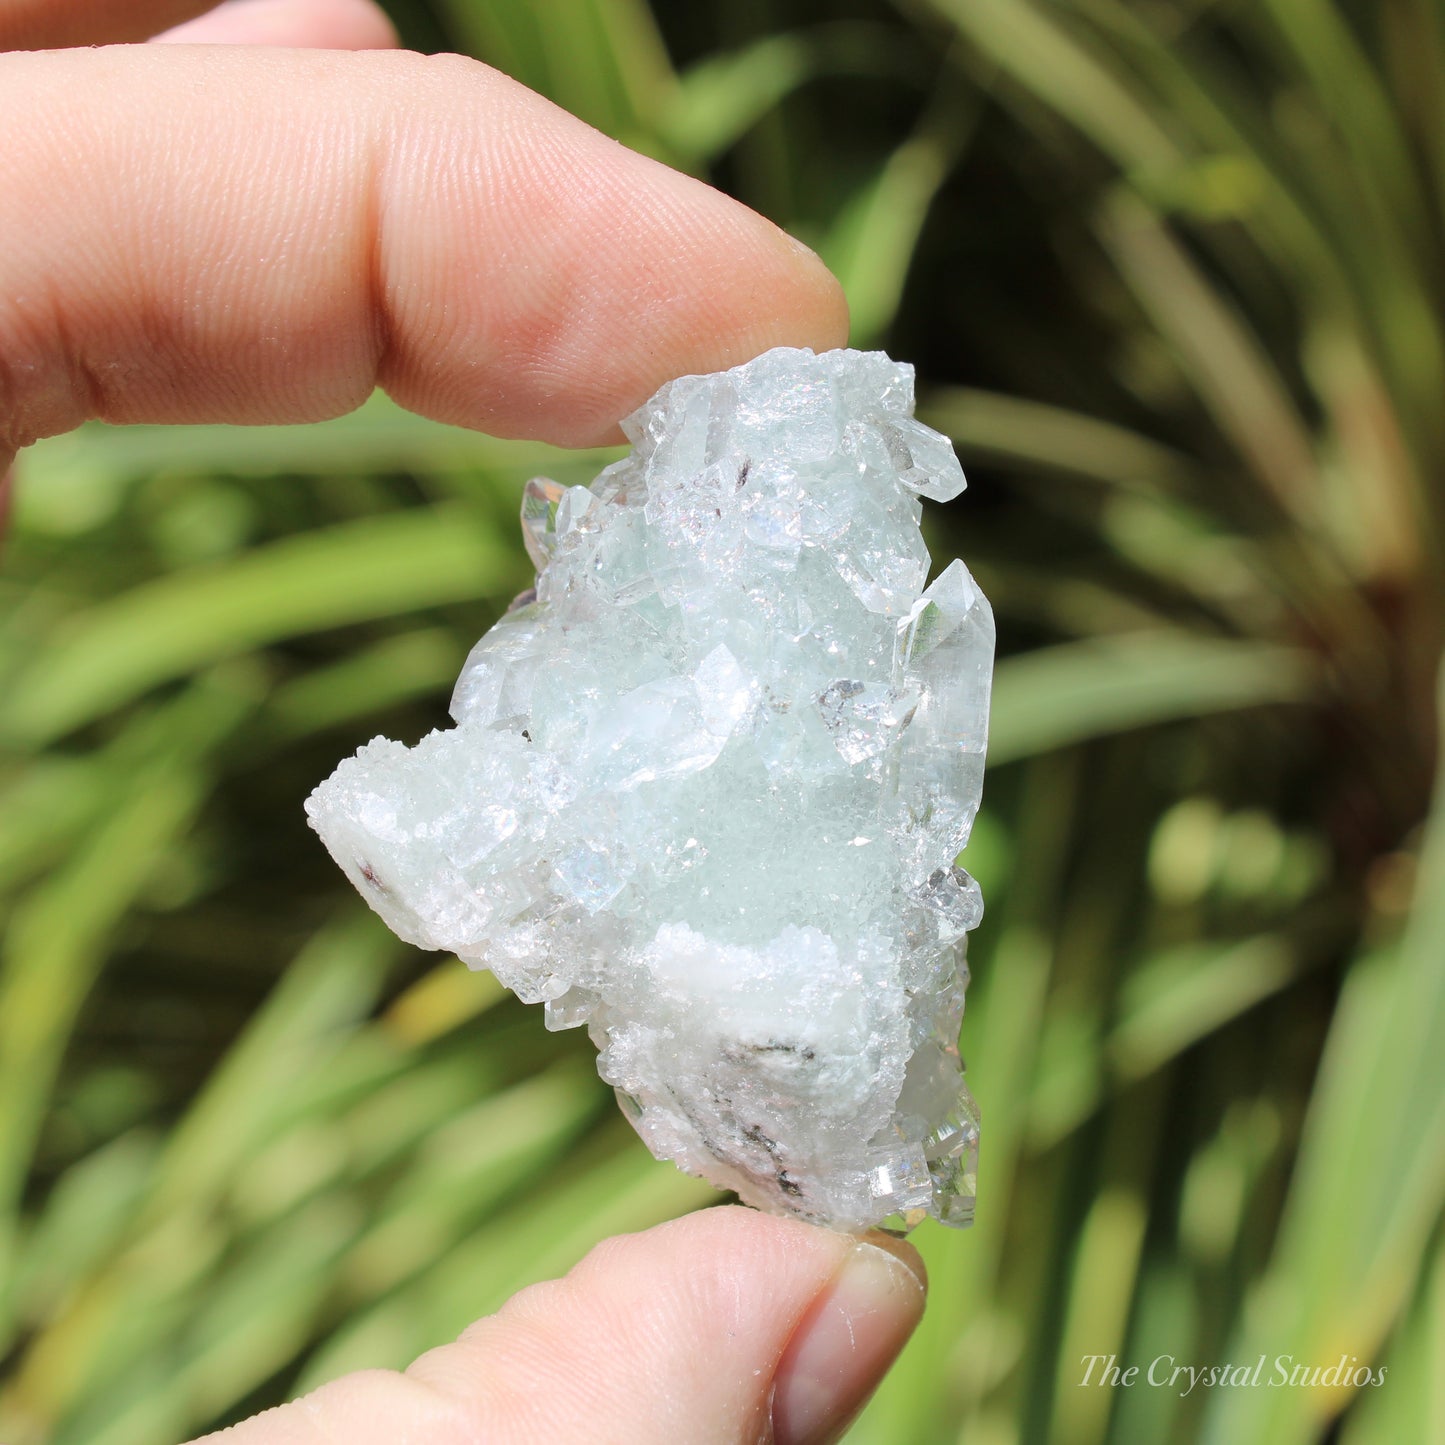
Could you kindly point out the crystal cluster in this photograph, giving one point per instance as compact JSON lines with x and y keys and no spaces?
{"x":708,"y":784}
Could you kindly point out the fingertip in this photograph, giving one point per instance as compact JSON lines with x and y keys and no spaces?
{"x":846,"y":1342}
{"x":827,"y":303}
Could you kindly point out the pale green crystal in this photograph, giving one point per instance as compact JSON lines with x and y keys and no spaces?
{"x":706,"y":790}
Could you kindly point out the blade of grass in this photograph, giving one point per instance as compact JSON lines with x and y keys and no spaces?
{"x":441,"y":1000}
{"x":1350,"y":90}
{"x":1079,"y":690}
{"x":1304,"y":208}
{"x":1177,"y":999}
{"x":1298,"y":210}
{"x":253,"y":1316}
{"x":1038,"y":48}
{"x":719,"y":99}
{"x":615,"y":1186}
{"x":645,"y":77}
{"x":124,"y":1313}
{"x":312,"y":1013}
{"x":351,"y":572}
{"x":1229,"y":368}
{"x":55,"y":799}
{"x":60,"y":934}
{"x":1034,"y":435}
{"x":1167,"y":1005}
{"x":463,"y":1171}
{"x":1415,"y":56}
{"x":600,"y":59}
{"x":378,"y":437}
{"x":1365,"y":1196}
{"x":422,"y":663}
{"x":1099,"y":1305}
{"x":82,"y":1221}
{"x":1408,"y":1403}
{"x":870,"y":247}
{"x":43,"y":809}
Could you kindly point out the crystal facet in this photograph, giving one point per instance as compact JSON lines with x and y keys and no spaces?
{"x":707,"y":787}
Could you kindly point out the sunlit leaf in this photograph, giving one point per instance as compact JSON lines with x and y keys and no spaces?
{"x":1067,"y":694}
{"x":347,"y":573}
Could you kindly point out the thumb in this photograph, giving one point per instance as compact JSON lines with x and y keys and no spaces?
{"x":724,"y":1327}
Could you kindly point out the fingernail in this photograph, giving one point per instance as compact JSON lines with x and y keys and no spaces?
{"x":846,"y":1342}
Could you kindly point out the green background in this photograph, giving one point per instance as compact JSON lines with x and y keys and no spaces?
{"x":1172,"y":274}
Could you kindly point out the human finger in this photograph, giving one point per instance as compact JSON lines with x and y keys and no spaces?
{"x":309,"y":24}
{"x":50,"y":24}
{"x":242,"y":235}
{"x":723,"y":1327}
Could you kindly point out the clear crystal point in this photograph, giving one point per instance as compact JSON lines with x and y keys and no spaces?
{"x":540,"y":500}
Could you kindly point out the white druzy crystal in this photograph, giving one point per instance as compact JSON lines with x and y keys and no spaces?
{"x":705,"y":792}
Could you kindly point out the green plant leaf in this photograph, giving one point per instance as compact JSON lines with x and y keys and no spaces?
{"x":59,"y":936}
{"x":1079,"y":690}
{"x":1040,"y":48}
{"x":351,"y":572}
{"x":1369,"y":1187}
{"x":1034,"y":435}
{"x":723,"y":96}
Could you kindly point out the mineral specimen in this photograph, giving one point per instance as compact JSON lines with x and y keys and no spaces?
{"x":707,"y":787}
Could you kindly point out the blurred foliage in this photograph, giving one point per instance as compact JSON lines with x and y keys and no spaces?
{"x":1172,"y":275}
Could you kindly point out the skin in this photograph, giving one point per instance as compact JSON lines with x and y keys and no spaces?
{"x":218,"y":229}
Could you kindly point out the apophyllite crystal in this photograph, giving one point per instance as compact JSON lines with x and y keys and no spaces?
{"x":706,"y":790}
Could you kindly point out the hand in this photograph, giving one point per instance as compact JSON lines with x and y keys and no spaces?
{"x":723,"y":1328}
{"x":230,"y":234}
{"x":198,"y":232}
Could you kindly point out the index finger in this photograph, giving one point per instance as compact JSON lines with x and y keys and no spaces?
{"x":216,"y":234}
